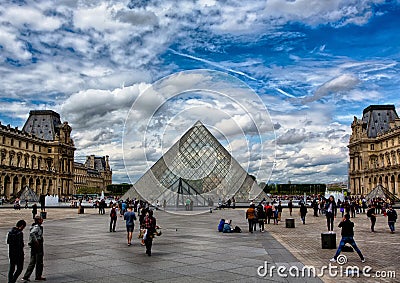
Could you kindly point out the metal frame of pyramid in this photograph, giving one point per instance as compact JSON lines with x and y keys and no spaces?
{"x":199,"y":162}
{"x":383,"y":193}
{"x":28,"y":194}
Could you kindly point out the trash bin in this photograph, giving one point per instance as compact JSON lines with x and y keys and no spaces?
{"x":289,"y":222}
{"x":43,"y":214}
{"x":328,"y":240}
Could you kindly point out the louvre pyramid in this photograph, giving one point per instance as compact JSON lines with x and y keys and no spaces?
{"x":198,"y":167}
{"x":380,"y":192}
{"x":29,"y":195}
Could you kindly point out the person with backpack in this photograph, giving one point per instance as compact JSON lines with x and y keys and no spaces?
{"x":15,"y":241}
{"x":113,"y":218}
{"x":37,"y":252}
{"x":392,"y":217}
{"x":130,"y":217}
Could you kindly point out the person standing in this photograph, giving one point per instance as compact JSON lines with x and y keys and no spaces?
{"x":347,"y":237}
{"x":15,"y":241}
{"x":233,"y":202}
{"x":290,"y":206}
{"x":150,"y":226}
{"x":42,"y":200}
{"x":130,"y":217}
{"x":372,"y":216}
{"x":330,"y":210}
{"x":34,"y":210}
{"x":261,"y":216}
{"x":279,"y":211}
{"x":392,"y":217}
{"x":113,"y":218}
{"x":251,"y":216}
{"x":315,"y":207}
{"x":37,"y":252}
{"x":303,"y":212}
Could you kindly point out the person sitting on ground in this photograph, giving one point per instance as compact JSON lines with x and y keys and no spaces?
{"x":221,"y":225}
{"x":227,"y":227}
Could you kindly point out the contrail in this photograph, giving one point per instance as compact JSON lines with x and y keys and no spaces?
{"x":227,"y":69}
{"x":213,"y":64}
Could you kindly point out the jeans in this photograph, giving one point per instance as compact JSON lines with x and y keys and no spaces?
{"x":351,"y":241}
{"x":330,"y":217}
{"x":373,"y":221}
{"x":251,"y":225}
{"x":15,"y":262}
{"x":36,"y":260}
{"x":113,"y":222}
{"x":149,"y":243}
{"x":391,"y":225}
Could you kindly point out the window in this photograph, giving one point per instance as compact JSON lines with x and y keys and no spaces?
{"x":12,"y":142}
{"x":372,"y":146}
{"x":27,"y":145}
{"x":49,"y":150}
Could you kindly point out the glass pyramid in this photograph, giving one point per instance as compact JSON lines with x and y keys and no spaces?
{"x":196,"y":167}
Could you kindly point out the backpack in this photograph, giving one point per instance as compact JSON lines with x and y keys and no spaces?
{"x":113,"y":213}
{"x":237,"y":230}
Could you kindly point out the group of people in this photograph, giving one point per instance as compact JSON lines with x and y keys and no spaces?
{"x":262,"y":214}
{"x":15,"y":240}
{"x":147,"y":222}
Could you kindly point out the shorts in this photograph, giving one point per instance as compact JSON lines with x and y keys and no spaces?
{"x":130,"y":228}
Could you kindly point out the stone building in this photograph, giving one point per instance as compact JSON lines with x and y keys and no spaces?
{"x":374,"y":150}
{"x":40,"y":156}
{"x":94,"y":173}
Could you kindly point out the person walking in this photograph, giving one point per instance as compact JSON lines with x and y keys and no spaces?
{"x":15,"y":241}
{"x":392,"y":217}
{"x":113,"y":218}
{"x":372,"y":216}
{"x":130,"y":217}
{"x":330,"y":212}
{"x":347,"y":237}
{"x":303,"y":212}
{"x":37,"y":252}
{"x":150,"y":225}
{"x":250,"y":216}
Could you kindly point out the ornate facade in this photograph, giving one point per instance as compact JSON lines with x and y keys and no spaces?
{"x":40,"y":156}
{"x":94,"y":173}
{"x":374,"y":150}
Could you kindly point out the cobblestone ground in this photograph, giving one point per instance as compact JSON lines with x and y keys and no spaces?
{"x":192,"y":241}
{"x":381,"y":249}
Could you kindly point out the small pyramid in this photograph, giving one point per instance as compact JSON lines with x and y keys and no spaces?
{"x":26,"y":194}
{"x":197,"y":167}
{"x":381,"y":192}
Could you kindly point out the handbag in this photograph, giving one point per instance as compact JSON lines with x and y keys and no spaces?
{"x":141,"y":233}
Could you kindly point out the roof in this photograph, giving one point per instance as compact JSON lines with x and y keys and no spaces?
{"x":43,"y":124}
{"x":377,"y":119}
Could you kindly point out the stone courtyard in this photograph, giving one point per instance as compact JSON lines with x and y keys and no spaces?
{"x":80,"y":248}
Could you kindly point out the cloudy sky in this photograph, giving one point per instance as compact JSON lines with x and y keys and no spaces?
{"x":313,"y":64}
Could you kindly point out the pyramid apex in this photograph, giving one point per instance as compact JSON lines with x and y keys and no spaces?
{"x":198,"y":123}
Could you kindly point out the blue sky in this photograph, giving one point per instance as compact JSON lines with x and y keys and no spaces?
{"x":314,"y":64}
